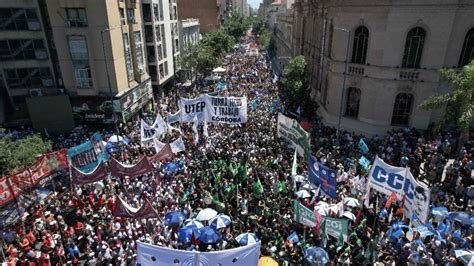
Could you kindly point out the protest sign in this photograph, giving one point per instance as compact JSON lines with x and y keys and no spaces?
{"x":122,"y":209}
{"x":363,"y":146}
{"x":387,"y":179}
{"x":291,"y":130}
{"x":319,"y":174}
{"x":335,"y":227}
{"x":303,"y":215}
{"x":190,"y":108}
{"x":88,"y":155}
{"x":227,"y":110}
{"x":121,"y":170}
{"x":80,"y":178}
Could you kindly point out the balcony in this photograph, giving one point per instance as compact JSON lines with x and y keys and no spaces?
{"x":356,"y":70}
{"x":148,"y":34}
{"x":409,"y":75}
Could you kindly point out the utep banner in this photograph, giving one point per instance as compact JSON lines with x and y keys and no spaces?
{"x":42,"y":170}
{"x":386,"y":179}
{"x":121,"y":170}
{"x":207,"y":108}
{"x":80,"y":178}
{"x":291,"y":130}
{"x":319,"y":174}
{"x":155,"y":255}
{"x":88,"y":155}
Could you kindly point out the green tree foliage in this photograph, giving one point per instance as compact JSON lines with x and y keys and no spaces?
{"x":219,"y":41}
{"x":236,"y":26}
{"x":264,"y":39}
{"x":258,"y":25}
{"x":294,"y":83}
{"x":16,"y":154}
{"x":459,"y":102}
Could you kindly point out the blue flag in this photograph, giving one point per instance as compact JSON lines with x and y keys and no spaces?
{"x":319,"y":174}
{"x":254,"y":104}
{"x":293,"y":238}
{"x":363,"y":146}
{"x":364,"y":162}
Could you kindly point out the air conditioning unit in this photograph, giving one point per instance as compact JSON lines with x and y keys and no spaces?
{"x":36,"y":93}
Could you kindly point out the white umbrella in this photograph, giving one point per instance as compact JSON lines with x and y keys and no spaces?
{"x":349,"y":215}
{"x":334,"y":208}
{"x":115,"y":138}
{"x":352,"y":202}
{"x":206,"y":214}
{"x":464,"y":256}
{"x":247,"y":239}
{"x":298,"y":178}
{"x":193,"y":223}
{"x":322,"y":208}
{"x":220,"y":221}
{"x":219,"y":70}
{"x":303,"y":194}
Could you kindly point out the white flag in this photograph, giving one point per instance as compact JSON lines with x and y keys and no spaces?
{"x":295,"y":166}
{"x":195,"y":130}
{"x":158,"y":144}
{"x":148,"y":133}
{"x":204,"y":130}
{"x":177,"y":145}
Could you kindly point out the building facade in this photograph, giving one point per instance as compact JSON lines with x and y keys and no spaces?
{"x":394,"y":53}
{"x":26,"y":68}
{"x":162,"y":40}
{"x":189,"y":35}
{"x":101,"y":53}
{"x":282,"y":35}
{"x":211,"y":13}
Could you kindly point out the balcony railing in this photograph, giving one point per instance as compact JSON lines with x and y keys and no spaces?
{"x":409,"y":75}
{"x":355,"y":70}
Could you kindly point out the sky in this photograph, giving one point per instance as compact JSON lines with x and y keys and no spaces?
{"x":254,"y":3}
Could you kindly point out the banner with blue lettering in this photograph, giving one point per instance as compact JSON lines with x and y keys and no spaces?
{"x":88,"y":155}
{"x":213,"y":109}
{"x":386,"y":179}
{"x":156,"y":255}
{"x":319,"y":174}
{"x":190,"y":108}
{"x":363,"y":146}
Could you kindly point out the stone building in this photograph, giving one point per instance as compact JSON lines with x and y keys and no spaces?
{"x":394,"y":52}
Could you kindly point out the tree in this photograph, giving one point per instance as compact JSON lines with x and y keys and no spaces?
{"x":459,"y":102}
{"x":16,"y":154}
{"x":236,"y":26}
{"x":294,"y":82}
{"x":199,"y":58}
{"x":264,"y":39}
{"x":258,"y":25}
{"x":219,"y":41}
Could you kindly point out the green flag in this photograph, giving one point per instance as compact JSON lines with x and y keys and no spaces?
{"x":258,"y":188}
{"x":232,"y":169}
{"x":340,"y":240}
{"x":324,"y":236}
{"x":282,"y":187}
{"x":215,"y":199}
{"x":243,"y":172}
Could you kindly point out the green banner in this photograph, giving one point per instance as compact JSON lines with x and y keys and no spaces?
{"x":291,"y":130}
{"x":334,"y":227}
{"x":303,"y":215}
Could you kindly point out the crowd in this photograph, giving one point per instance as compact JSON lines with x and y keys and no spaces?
{"x":76,"y":226}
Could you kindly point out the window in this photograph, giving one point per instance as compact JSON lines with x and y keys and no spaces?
{"x":131,"y":15}
{"x":402,"y":109}
{"x":153,"y":74}
{"x":162,"y":72}
{"x":353,"y":102}
{"x":163,"y":39}
{"x":83,"y":77}
{"x":155,"y":12}
{"x":19,"y":19}
{"x":29,"y":78}
{"x":166,"y":68}
{"x":122,"y":16}
{"x":160,"y":2}
{"x":467,"y":52}
{"x":414,"y":48}
{"x":78,"y":48}
{"x":359,"y":50}
{"x":80,"y":60}
{"x":157,"y":33}
{"x":138,"y":51}
{"x":128,"y":56}
{"x":76,"y":17}
{"x":146,"y":11}
{"x":151,"y":54}
{"x":22,"y":49}
{"x":160,"y":52}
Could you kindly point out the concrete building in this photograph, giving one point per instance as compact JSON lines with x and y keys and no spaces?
{"x":95,"y":69}
{"x":189,"y":35}
{"x":162,"y":40}
{"x":211,"y":13}
{"x":26,"y":68}
{"x":395,"y":51}
{"x":283,"y":39}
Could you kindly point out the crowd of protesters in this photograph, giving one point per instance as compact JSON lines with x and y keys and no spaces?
{"x":76,"y":226}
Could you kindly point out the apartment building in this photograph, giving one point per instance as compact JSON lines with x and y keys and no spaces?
{"x":26,"y":68}
{"x":161,"y":29}
{"x":101,"y":56}
{"x":211,"y":13}
{"x":189,"y":34}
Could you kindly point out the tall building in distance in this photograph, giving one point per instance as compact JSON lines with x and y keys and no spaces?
{"x":393,"y":53}
{"x":211,"y":13}
{"x":101,"y":53}
{"x":162,"y":40}
{"x":26,"y":68}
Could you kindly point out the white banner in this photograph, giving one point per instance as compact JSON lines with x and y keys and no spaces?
{"x":155,"y":255}
{"x":177,"y":145}
{"x":291,"y":130}
{"x":148,"y":133}
{"x":386,"y":179}
{"x":227,"y":110}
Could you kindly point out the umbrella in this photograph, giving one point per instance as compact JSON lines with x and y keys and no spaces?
{"x":219,"y":70}
{"x":171,"y":167}
{"x":298,"y":178}
{"x":349,"y":215}
{"x":185,"y":234}
{"x":267,"y":261}
{"x":206,"y":214}
{"x":464,"y":256}
{"x":220,"y":221}
{"x":334,"y":208}
{"x":351,"y":202}
{"x":193,"y":223}
{"x":175,"y":217}
{"x":303,"y":194}
{"x":115,"y":138}
{"x":461,"y":217}
{"x":208,"y":235}
{"x":247,"y":239}
{"x":316,"y":256}
{"x":322,"y":208}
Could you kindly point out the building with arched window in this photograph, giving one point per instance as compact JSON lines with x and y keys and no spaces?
{"x":393,"y":51}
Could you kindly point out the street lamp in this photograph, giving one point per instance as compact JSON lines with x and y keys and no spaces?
{"x":344,"y":80}
{"x":108,"y":82}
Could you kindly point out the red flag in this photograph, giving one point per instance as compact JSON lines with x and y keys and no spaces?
{"x":393,"y":197}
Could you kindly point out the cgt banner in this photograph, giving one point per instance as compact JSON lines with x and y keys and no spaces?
{"x":291,"y":130}
{"x":386,"y":179}
{"x":89,"y":154}
{"x":155,"y":255}
{"x":214,"y":109}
